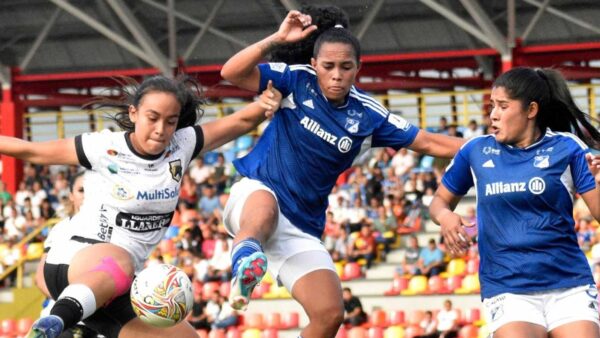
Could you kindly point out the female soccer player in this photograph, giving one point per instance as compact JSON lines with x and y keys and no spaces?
{"x":280,"y":204}
{"x":132,"y":186}
{"x":535,"y":281}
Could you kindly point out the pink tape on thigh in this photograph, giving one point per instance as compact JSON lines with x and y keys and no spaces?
{"x":121,"y":279}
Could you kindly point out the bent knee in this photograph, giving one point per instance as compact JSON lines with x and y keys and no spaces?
{"x":330,"y":315}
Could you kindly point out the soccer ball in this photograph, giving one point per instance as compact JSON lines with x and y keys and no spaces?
{"x":161,"y":295}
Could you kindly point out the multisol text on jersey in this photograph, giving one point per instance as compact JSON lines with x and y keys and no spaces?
{"x":143,"y":223}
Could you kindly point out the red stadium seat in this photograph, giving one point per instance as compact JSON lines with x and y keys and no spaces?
{"x":254,"y":320}
{"x":453,"y":283}
{"x":251,"y":333}
{"x":412,"y":331}
{"x":435,"y":285}
{"x":291,"y":320}
{"x":270,"y":333}
{"x":415,"y":317}
{"x":234,"y":332}
{"x":472,"y":315}
{"x":273,"y":321}
{"x":8,"y":326}
{"x":24,"y":325}
{"x":394,"y":332}
{"x":397,"y":317}
{"x":216,"y":333}
{"x":357,"y":332}
{"x":352,"y":271}
{"x":342,"y":333}
{"x":375,"y":332}
{"x":473,"y":266}
{"x":260,"y":290}
{"x":468,"y":331}
{"x":378,"y":319}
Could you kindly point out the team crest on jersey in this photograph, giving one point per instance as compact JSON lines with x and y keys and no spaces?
{"x":541,"y":161}
{"x":112,"y":152}
{"x":351,"y":125}
{"x":176,"y":170}
{"x":121,"y":192}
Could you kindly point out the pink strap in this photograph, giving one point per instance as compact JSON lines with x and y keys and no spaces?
{"x":121,"y":279}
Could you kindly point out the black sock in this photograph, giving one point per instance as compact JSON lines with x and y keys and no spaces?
{"x":69,"y":310}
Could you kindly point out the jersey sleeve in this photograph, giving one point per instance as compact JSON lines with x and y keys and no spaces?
{"x":394,"y":132}
{"x":90,"y":147}
{"x":277,"y":72}
{"x":582,"y":177}
{"x":191,"y":140}
{"x":457,"y":178}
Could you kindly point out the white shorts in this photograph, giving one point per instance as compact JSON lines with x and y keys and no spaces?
{"x":549,"y":309}
{"x":291,"y":253}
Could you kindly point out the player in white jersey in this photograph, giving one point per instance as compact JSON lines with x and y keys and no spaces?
{"x":280,"y":204}
{"x":131,"y":188}
{"x":535,"y":280}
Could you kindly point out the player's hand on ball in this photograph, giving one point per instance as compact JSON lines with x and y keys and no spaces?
{"x":456,"y":239}
{"x":270,"y":99}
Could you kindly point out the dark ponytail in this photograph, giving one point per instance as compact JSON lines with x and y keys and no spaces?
{"x":557,"y":109}
{"x":186,"y":90}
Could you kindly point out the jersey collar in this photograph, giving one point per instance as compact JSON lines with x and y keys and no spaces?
{"x":136,"y":153}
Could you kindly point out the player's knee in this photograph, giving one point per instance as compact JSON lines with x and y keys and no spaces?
{"x":328,"y":315}
{"x":120,"y":274}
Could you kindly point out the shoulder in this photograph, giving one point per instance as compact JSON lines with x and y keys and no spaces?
{"x":569,"y":139}
{"x":368,"y":103}
{"x":303,"y":69}
{"x":479,"y":142}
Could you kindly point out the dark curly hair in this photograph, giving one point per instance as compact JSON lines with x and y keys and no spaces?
{"x":186,"y":90}
{"x":324,"y":17}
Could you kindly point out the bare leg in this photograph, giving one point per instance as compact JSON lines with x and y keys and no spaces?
{"x":581,"y":328}
{"x":521,"y":330}
{"x":136,"y":328}
{"x":320,"y":294}
{"x":259,"y":217}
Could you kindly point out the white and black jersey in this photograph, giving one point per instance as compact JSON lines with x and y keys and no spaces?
{"x":130,"y":198}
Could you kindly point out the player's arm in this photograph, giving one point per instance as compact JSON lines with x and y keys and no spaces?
{"x":220,"y":131}
{"x":437,"y":145}
{"x":49,"y":152}
{"x":241,"y":69}
{"x":442,"y":213}
{"x":592,"y":197}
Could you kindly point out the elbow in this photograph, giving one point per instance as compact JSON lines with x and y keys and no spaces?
{"x":228,"y":74}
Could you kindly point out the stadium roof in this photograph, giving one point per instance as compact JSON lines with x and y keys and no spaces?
{"x":54,"y":36}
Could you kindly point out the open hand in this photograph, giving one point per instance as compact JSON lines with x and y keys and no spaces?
{"x":295,"y":27}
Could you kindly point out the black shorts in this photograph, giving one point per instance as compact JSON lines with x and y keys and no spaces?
{"x":107,"y":320}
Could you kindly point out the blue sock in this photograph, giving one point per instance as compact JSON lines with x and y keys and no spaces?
{"x":243,"y":249}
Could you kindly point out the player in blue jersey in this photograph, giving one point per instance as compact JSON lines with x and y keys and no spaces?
{"x":535,"y":280}
{"x":279,"y":206}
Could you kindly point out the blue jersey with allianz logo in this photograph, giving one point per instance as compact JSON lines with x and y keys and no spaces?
{"x":527,"y":241}
{"x":310,"y":142}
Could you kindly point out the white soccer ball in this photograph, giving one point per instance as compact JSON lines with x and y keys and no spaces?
{"x":161,"y":295}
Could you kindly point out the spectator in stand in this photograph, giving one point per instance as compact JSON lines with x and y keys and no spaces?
{"x":219,"y":266}
{"x":384,"y":225}
{"x":363,"y":246}
{"x":410,"y":262}
{"x":14,"y":224}
{"x":391,"y":184}
{"x":472,"y":130}
{"x":453,"y":131}
{"x":22,"y":193}
{"x":209,"y":202}
{"x":403,"y":162}
{"x":198,"y":317}
{"x":356,"y":215}
{"x":28,"y":206}
{"x":431,"y":259}
{"x":39,"y":194}
{"x":188,"y":192}
{"x":221,"y":174}
{"x":201,"y":172}
{"x":586,"y":236}
{"x":443,"y":126}
{"x":447,"y":321}
{"x":331,"y":232}
{"x":46,"y":210}
{"x":342,"y":246}
{"x":189,"y":243}
{"x":374,"y":187}
{"x":5,"y":196}
{"x":354,"y":314}
{"x":227,"y":316}
{"x":429,"y":326}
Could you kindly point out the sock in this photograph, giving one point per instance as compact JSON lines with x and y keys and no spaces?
{"x":75,"y":303}
{"x":243,"y":249}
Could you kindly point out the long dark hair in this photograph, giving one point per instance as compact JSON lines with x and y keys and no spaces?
{"x":324,"y":17}
{"x":186,"y":90}
{"x":557,"y":110}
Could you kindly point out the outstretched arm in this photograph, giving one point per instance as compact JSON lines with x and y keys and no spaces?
{"x":50,"y":152}
{"x":223,"y":130}
{"x":241,"y":69}
{"x":592,"y":197}
{"x":436,"y":144}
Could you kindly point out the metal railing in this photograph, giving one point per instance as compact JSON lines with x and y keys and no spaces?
{"x":421,"y":109}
